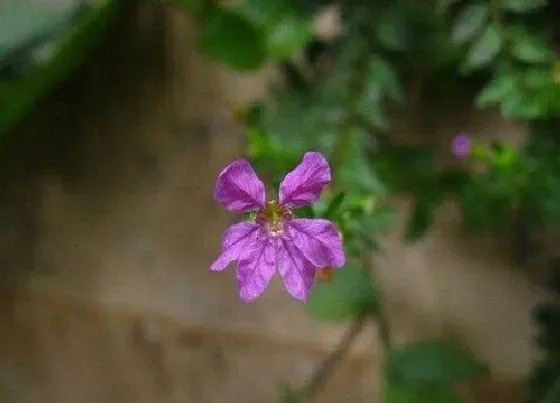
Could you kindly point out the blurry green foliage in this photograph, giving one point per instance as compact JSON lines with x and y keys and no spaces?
{"x":18,"y":94}
{"x":349,"y":294}
{"x":431,"y":363}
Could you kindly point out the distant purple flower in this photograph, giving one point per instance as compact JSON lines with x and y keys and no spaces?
{"x":461,"y":145}
{"x":274,"y":239}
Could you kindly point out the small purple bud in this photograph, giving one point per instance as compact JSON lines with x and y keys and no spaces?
{"x":461,"y":146}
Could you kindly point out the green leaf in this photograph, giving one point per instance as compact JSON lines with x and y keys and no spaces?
{"x":521,"y":6}
{"x":334,"y":206}
{"x":497,"y":90}
{"x":288,"y":35}
{"x":382,"y":76}
{"x":393,"y":29}
{"x":469,"y":22}
{"x":452,"y":181}
{"x":485,"y":48}
{"x":402,"y":167}
{"x":531,"y":49}
{"x":428,"y":199}
{"x":193,"y":6}
{"x":230,"y":38}
{"x":18,"y":96}
{"x":285,"y":25}
{"x":419,"y":394}
{"x":349,"y":294}
{"x":432,"y":362}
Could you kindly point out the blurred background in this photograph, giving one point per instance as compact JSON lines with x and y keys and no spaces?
{"x":439,"y":119}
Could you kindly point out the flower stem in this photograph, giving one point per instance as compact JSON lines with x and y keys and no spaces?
{"x":327,"y":367}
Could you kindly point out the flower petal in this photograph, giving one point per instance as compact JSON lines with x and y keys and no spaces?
{"x":296,"y":271}
{"x":318,"y":240}
{"x":239,"y":189}
{"x":256,"y":269}
{"x":305,"y":183}
{"x":235,"y":244}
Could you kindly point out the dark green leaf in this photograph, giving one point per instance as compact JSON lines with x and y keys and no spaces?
{"x":17,"y":96}
{"x":334,"y":206}
{"x":348,"y":294}
{"x":429,"y":198}
{"x":420,"y":394}
{"x":393,"y":29}
{"x":485,"y":48}
{"x":452,"y":181}
{"x":402,"y":167}
{"x":531,"y":49}
{"x":499,"y":89}
{"x":470,"y":22}
{"x":382,"y":76}
{"x":193,"y":6}
{"x":521,"y":6}
{"x":285,"y":26}
{"x":432,"y":362}
{"x":230,"y":38}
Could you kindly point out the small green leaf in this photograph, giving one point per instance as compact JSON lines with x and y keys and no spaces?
{"x":420,"y":394}
{"x":428,"y":199}
{"x":531,"y":49}
{"x":383,"y":76}
{"x":230,"y":38}
{"x":285,"y":26}
{"x":499,"y":89}
{"x":392,"y":30}
{"x":522,"y":6}
{"x":287,"y":36}
{"x":485,"y":48}
{"x":349,"y":294}
{"x":334,"y":206}
{"x":470,"y":22}
{"x":432,"y":362}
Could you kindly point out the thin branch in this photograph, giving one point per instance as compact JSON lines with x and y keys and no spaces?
{"x":325,"y":370}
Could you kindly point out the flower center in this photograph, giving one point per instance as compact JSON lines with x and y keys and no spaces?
{"x":273,"y":217}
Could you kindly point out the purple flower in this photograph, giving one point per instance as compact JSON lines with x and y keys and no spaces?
{"x":275,"y":240}
{"x":461,"y":146}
